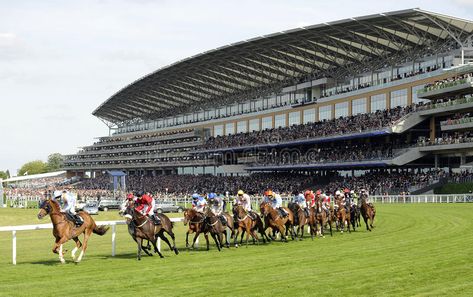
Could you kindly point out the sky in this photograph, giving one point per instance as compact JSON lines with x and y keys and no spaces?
{"x":60,"y":59}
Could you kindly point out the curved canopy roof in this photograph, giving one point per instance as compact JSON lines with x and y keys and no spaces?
{"x":265,"y":64}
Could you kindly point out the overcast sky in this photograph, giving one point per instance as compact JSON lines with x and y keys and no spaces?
{"x":60,"y":59}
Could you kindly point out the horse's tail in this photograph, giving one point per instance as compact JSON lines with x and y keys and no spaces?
{"x":100,"y":230}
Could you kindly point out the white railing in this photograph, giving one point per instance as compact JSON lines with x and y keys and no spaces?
{"x":452,"y":198}
{"x":113,"y":224}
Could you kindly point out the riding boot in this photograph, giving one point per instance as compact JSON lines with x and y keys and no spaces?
{"x":306,"y":212}
{"x":223,"y":219}
{"x":78,"y":220}
{"x":156,"y":220}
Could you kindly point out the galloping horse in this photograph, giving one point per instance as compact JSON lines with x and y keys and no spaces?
{"x":319,"y":219}
{"x":343,"y":216}
{"x":245,"y":224}
{"x":276,"y":221}
{"x":141,"y":227}
{"x":368,"y":212}
{"x":196,"y":222}
{"x":299,"y":217}
{"x":214,"y":225}
{"x":65,"y":230}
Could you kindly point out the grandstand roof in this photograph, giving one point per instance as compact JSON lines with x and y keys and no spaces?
{"x":34,"y":176}
{"x":265,"y":64}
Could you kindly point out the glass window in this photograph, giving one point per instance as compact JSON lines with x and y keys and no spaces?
{"x":325,"y":112}
{"x":258,"y":104}
{"x":233,"y":109}
{"x":358,"y":106}
{"x":271,"y":102}
{"x":309,"y":115}
{"x":242,"y":127}
{"x":218,"y":130}
{"x":201,"y":115}
{"x":229,"y":128}
{"x":267,"y":123}
{"x":341,"y":109}
{"x":294,"y":118}
{"x":378,"y":102}
{"x":398,"y":98}
{"x":415,"y":99}
{"x":254,"y":125}
{"x":280,"y":120}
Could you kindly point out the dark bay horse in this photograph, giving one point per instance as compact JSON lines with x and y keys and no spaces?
{"x":322,"y":218}
{"x":368,"y":213}
{"x":142,"y":228}
{"x":245,"y":224}
{"x":276,"y":221}
{"x":215,"y":227}
{"x":65,"y":230}
{"x":196,"y":221}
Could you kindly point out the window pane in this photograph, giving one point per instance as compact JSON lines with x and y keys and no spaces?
{"x":415,"y":99}
{"x":358,"y":106}
{"x":254,"y":125}
{"x":378,"y":102}
{"x":309,"y":115}
{"x":398,"y":98}
{"x":218,"y":130}
{"x":229,"y":128}
{"x":242,"y":127}
{"x":280,"y":120}
{"x":325,"y":112}
{"x":294,"y":118}
{"x":267,"y":123}
{"x":341,"y":110}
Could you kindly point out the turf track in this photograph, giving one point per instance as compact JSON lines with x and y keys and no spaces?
{"x":415,"y":250}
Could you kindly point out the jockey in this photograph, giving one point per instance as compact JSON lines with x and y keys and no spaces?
{"x":326,"y":203}
{"x":354,"y":197}
{"x":69,"y":206}
{"x":198,"y":203}
{"x":244,"y":200}
{"x":348,"y":198}
{"x":277,"y":203}
{"x":364,"y":193}
{"x":266,"y":196}
{"x":299,"y":199}
{"x":146,"y":206}
{"x":309,"y":196}
{"x":216,"y":206}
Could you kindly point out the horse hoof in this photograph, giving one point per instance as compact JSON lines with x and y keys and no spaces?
{"x":236,"y":245}
{"x":176,"y":251}
{"x":161,"y":256}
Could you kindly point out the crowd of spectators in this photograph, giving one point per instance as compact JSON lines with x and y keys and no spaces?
{"x":447,"y":82}
{"x":158,"y":135}
{"x":344,"y":125}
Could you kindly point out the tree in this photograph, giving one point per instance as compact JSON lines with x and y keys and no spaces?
{"x":8,"y":173}
{"x":55,"y":162}
{"x":33,"y":167}
{"x":3,"y":175}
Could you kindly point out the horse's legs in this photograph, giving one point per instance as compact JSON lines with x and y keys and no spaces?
{"x":173,"y":238}
{"x":58,"y":245}
{"x":84,"y":246}
{"x":247,"y":235}
{"x":235,"y":238}
{"x":74,"y":250}
{"x":207,"y":240}
{"x":139,"y":242}
{"x":197,"y":233}
{"x":165,"y":239}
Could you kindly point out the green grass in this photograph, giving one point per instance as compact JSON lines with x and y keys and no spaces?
{"x":415,"y":250}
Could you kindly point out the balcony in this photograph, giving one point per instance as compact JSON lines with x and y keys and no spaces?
{"x":459,"y":124}
{"x":447,"y":89}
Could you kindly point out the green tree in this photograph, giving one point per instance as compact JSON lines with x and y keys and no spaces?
{"x":8,"y":173}
{"x":55,"y":162}
{"x":3,"y":175}
{"x":33,"y":167}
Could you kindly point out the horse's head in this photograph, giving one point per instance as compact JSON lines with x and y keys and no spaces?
{"x":126,"y":208}
{"x":264,"y":208}
{"x":188,"y":215}
{"x":45,"y":208}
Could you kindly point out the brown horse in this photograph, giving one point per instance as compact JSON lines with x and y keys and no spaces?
{"x":368,"y":212}
{"x":300,"y":218}
{"x":214,"y":225}
{"x":343,"y":216}
{"x":65,"y":230}
{"x":142,"y":228}
{"x":245,"y":224}
{"x":276,"y":221}
{"x":322,"y":218}
{"x":196,"y":222}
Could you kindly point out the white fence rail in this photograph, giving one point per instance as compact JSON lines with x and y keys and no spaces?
{"x":113,"y":224}
{"x":453,"y":198}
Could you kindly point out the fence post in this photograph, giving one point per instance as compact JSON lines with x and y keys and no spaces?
{"x":14,"y":247}
{"x":113,"y":239}
{"x":448,"y":199}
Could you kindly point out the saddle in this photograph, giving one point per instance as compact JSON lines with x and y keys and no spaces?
{"x":76,"y":219}
{"x":282,"y":212}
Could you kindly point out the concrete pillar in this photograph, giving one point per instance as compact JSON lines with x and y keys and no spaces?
{"x":436,"y":162}
{"x":462,"y":159}
{"x":432,"y":129}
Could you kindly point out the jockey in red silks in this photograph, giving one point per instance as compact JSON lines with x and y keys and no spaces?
{"x":146,"y":206}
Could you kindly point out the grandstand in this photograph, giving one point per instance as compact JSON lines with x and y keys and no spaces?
{"x":389,"y":93}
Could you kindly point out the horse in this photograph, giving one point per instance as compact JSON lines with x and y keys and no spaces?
{"x":196,"y":221}
{"x":214,"y":225}
{"x":300,"y":218}
{"x":343,"y":216}
{"x":245,"y":224}
{"x":141,"y":227}
{"x":276,"y":221}
{"x":322,"y":218}
{"x":65,"y":230}
{"x":368,"y":212}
